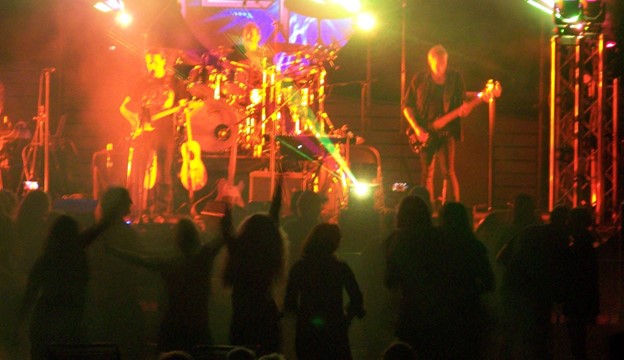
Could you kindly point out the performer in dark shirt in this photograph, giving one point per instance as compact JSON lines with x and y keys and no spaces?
{"x":432,"y":94}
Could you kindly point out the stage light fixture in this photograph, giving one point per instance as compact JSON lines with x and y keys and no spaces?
{"x":593,"y":11}
{"x":567,"y":12}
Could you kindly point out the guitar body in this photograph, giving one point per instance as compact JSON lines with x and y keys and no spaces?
{"x":193,"y":173}
{"x":431,"y":145}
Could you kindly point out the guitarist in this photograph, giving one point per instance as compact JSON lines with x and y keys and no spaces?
{"x":153,"y":134}
{"x":432,"y":93}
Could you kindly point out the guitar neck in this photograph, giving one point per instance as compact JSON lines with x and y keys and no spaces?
{"x":232,"y":162}
{"x":443,"y":120}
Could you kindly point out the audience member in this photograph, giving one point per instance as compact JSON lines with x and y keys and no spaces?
{"x":254,"y":263}
{"x":399,"y":350}
{"x":187,"y":282}
{"x":315,"y":293}
{"x":468,"y":277}
{"x":113,"y":312}
{"x":414,"y":266}
{"x":31,"y":224}
{"x":175,"y":355}
{"x":309,"y":206}
{"x":528,"y":293}
{"x":581,"y":303}
{"x":241,"y":353}
{"x":57,"y":287}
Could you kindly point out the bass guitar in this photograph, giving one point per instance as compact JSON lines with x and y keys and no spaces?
{"x":431,"y":140}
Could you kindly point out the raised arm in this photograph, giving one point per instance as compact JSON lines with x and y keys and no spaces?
{"x":155,"y":263}
{"x":276,"y":204}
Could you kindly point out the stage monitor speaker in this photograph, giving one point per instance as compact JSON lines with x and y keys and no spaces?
{"x":260,"y":185}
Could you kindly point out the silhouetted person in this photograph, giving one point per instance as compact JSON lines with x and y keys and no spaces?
{"x":241,"y":353}
{"x":9,"y":288}
{"x":308,"y":215}
{"x":31,"y":224}
{"x":581,"y":303}
{"x":529,"y":289}
{"x":469,"y":277}
{"x":415,"y":266}
{"x":255,"y":261}
{"x":175,"y":355}
{"x":57,"y":287}
{"x":399,"y":350}
{"x":113,"y":311}
{"x":315,"y":294}
{"x":522,"y":215}
{"x":186,"y":278}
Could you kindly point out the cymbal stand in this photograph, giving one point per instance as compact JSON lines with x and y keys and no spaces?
{"x":41,"y":136}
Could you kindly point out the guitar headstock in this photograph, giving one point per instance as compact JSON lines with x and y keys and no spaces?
{"x":493,"y":89}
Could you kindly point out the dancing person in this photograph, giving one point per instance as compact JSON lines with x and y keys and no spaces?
{"x":315,"y":294}
{"x":31,"y":224}
{"x":414,"y":262}
{"x":470,"y":277}
{"x":185,"y":323}
{"x":581,"y":302}
{"x":57,"y":287}
{"x":114,"y":314}
{"x":433,"y":93}
{"x":255,"y":261}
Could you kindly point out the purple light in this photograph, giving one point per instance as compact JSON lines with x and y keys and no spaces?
{"x":610,"y":44}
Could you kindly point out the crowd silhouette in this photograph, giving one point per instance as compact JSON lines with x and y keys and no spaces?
{"x":422,"y":287}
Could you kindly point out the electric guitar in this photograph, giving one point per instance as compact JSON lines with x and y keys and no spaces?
{"x":432,"y":139}
{"x":193,"y":173}
{"x":136,"y":122}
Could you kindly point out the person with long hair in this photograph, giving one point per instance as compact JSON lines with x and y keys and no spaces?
{"x":56,"y":291}
{"x":469,"y":277}
{"x":255,"y":261}
{"x":415,"y":258}
{"x":315,"y":293}
{"x":185,"y":323}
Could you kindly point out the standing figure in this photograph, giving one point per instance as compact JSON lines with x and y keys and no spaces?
{"x":149,"y":110}
{"x":114,"y":314}
{"x":57,"y":287}
{"x":415,"y":260}
{"x":256,"y":257}
{"x":433,"y":93}
{"x":187,"y":282}
{"x":315,"y":293}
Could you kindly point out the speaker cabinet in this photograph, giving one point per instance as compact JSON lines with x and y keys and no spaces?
{"x":260,"y":185}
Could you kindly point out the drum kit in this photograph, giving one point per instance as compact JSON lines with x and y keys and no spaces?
{"x":240,"y":103}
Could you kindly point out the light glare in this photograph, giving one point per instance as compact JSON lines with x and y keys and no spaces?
{"x":124,"y":19}
{"x":366,"y":21}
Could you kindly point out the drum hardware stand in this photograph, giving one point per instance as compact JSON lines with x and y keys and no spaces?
{"x":41,"y":136}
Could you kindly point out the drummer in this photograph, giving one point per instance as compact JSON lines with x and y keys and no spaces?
{"x":250,"y":55}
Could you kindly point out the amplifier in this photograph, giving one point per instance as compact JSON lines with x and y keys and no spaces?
{"x":260,"y":186}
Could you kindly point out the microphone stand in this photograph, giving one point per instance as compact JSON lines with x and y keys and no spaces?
{"x":41,"y":137}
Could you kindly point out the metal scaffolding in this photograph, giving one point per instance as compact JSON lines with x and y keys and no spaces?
{"x":583,"y":154}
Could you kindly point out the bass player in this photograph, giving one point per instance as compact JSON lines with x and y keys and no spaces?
{"x":432,"y":93}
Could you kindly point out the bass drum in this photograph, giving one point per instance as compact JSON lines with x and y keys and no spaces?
{"x":214,"y":125}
